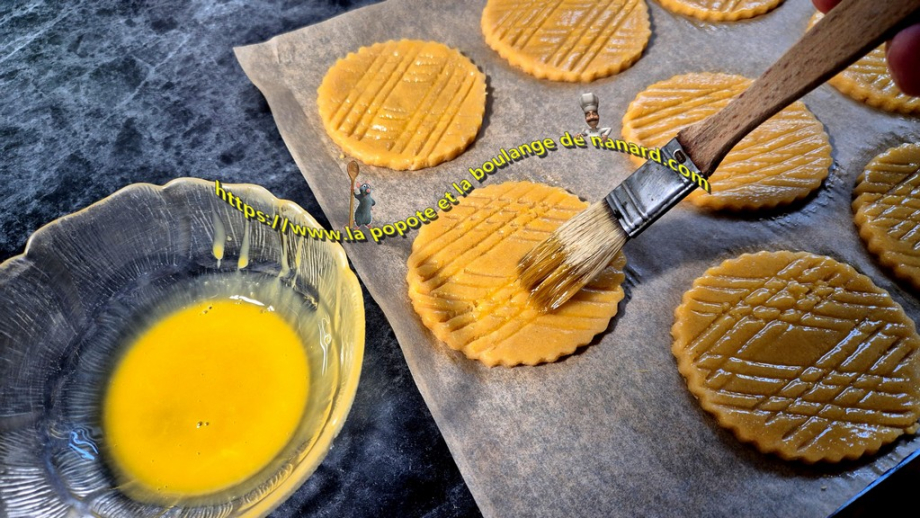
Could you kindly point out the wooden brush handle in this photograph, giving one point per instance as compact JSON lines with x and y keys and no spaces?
{"x":845,"y":34}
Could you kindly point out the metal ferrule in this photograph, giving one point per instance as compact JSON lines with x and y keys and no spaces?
{"x":653,"y":189}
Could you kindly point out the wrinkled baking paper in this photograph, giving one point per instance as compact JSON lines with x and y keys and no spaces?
{"x":611,"y":430}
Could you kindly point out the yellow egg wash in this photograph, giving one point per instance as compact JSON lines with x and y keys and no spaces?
{"x":205,"y":398}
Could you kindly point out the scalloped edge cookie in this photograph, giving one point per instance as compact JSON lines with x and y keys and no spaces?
{"x":649,"y":121}
{"x":464,"y":285}
{"x":525,"y":50}
{"x":693,"y":9}
{"x":737,"y":384}
{"x":875,"y":184}
{"x":365,"y":95}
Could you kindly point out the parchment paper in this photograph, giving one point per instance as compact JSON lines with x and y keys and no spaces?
{"x":611,"y":430}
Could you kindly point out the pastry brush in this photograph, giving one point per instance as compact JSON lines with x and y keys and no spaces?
{"x":578,"y":250}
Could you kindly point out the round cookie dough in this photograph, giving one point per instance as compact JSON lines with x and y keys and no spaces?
{"x":720,"y":10}
{"x":869,"y":81}
{"x":403,"y":104}
{"x":463,"y":278}
{"x":783,"y":160}
{"x":800,"y":355}
{"x":567,"y":40}
{"x":887,"y":210}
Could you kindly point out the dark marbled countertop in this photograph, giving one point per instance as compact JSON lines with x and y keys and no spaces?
{"x":99,"y":94}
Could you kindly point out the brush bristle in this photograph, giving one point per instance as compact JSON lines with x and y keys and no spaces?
{"x":574,"y":254}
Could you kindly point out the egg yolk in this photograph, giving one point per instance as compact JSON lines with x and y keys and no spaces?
{"x":205,"y":398}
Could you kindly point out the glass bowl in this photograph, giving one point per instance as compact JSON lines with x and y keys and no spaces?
{"x":92,"y":281}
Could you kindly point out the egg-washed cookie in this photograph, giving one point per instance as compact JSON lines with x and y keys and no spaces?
{"x":782,"y":160}
{"x":567,"y":40}
{"x":800,"y":355}
{"x":720,"y":10}
{"x":887,"y":210}
{"x":463,"y":278}
{"x":403,"y":104}
{"x":869,"y":81}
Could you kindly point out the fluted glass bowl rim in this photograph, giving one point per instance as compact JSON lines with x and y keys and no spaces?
{"x":347,"y":388}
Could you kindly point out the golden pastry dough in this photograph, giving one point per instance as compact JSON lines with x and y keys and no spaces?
{"x":403,"y":104}
{"x":720,"y":10}
{"x":463,"y":279}
{"x":567,"y":40}
{"x":887,"y":210}
{"x":783,"y":160}
{"x":800,"y":355}
{"x":869,"y":81}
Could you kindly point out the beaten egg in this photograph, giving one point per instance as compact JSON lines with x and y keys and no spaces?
{"x":205,"y":398}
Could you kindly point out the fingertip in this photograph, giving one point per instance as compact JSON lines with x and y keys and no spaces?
{"x":904,"y":60}
{"x":825,"y":5}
